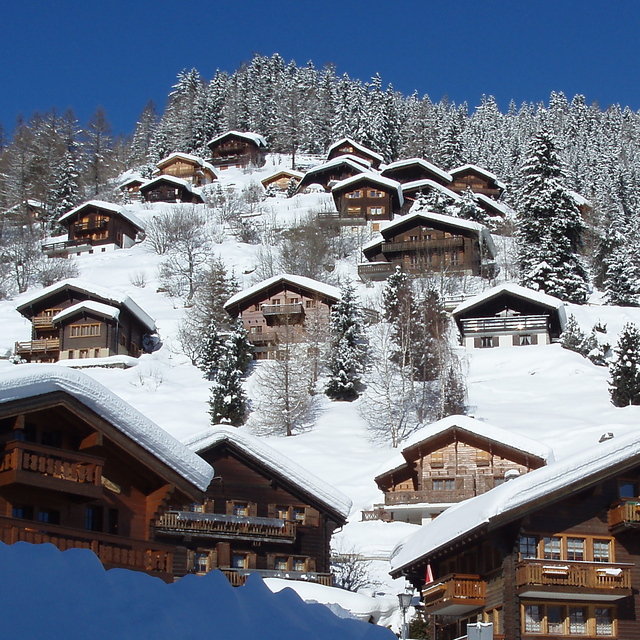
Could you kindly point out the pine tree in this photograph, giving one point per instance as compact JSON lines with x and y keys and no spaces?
{"x":228,"y":400}
{"x":469,"y":209}
{"x":212,"y":351}
{"x":65,"y":189}
{"x":346,"y":360}
{"x":239,"y":349}
{"x":625,"y":368}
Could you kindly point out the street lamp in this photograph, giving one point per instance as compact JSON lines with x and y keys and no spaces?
{"x":404,"y":599}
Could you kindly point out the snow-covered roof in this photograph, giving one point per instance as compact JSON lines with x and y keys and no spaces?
{"x":253,"y":137}
{"x":372,"y":243}
{"x":512,"y":499}
{"x":399,"y":164}
{"x":107,"y":206}
{"x":514,"y":289}
{"x":579,"y":199}
{"x":283,"y":172}
{"x":474,"y":427}
{"x":274,"y":461}
{"x":358,"y":146}
{"x":285,"y":278}
{"x":167,"y":178}
{"x":358,"y":164}
{"x":373,"y":177}
{"x":105,"y":310}
{"x":483,"y":172}
{"x":108,"y":295}
{"x":178,"y":155}
{"x":31,"y":380}
{"x":419,"y":184}
{"x":505,"y":209}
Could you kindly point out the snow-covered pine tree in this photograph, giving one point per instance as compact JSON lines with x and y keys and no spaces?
{"x":469,"y":209}
{"x":228,"y":400}
{"x":625,"y":368}
{"x":622,"y":277}
{"x":65,"y":191}
{"x":213,"y":349}
{"x":346,"y":358}
{"x":239,"y":349}
{"x":549,"y":226}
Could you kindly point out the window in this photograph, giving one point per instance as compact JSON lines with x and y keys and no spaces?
{"x":201,"y":562}
{"x":96,"y":353}
{"x":239,"y":560}
{"x":297,"y":514}
{"x":448,"y":484}
{"x":454,"y":257}
{"x":294,"y":301}
{"x":604,"y":621}
{"x":577,"y":620}
{"x":299,"y":564}
{"x":49,"y":516}
{"x":528,"y":547}
{"x":486,"y":342}
{"x":562,"y":620}
{"x":483,"y":458}
{"x":93,"y":519}
{"x":112,"y":521}
{"x":275,"y":301}
{"x":255,"y":329}
{"x":354,"y":211}
{"x":281,"y":564}
{"x":567,"y":548}
{"x":601,"y":551}
{"x":555,"y":619}
{"x":310,"y":304}
{"x":83,"y":353}
{"x":240,"y":509}
{"x":51,"y":438}
{"x":282,"y":512}
{"x":533,"y":618}
{"x":627,"y":489}
{"x":22,"y":511}
{"x":376,"y":211}
{"x":354,"y":194}
{"x":575,"y":549}
{"x":84,"y":330}
{"x":437,"y":459}
{"x":524,"y":340}
{"x":552,"y":548}
{"x":374,"y":193}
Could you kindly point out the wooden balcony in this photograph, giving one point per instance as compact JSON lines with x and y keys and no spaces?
{"x":573,"y":580}
{"x":229,"y":527}
{"x":48,"y":345}
{"x":266,"y":337}
{"x":35,"y":465}
{"x":42,"y":322}
{"x":282,"y":309}
{"x":375,"y":271}
{"x":429,"y":497}
{"x":508,"y":324}
{"x":624,"y":516}
{"x":112,"y":550}
{"x":237,"y":577}
{"x":454,"y":595}
{"x":423,"y":245}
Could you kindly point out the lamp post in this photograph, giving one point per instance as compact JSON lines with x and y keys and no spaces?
{"x":404,"y":600}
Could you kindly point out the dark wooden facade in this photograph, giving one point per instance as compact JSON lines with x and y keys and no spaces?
{"x":367,"y":197}
{"x":477,"y":179}
{"x":424,"y":243}
{"x":349,"y":147}
{"x":187,"y":167}
{"x":253,"y":518}
{"x":277,"y":311}
{"x":415,"y":169}
{"x":169,"y":189}
{"x":92,"y":331}
{"x":331,"y":172}
{"x":71,"y":478}
{"x":237,"y":149}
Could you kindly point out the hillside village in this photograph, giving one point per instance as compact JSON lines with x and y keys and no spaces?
{"x":508,"y":496}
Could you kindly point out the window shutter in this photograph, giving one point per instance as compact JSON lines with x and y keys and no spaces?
{"x":213,"y":558}
{"x":271,"y":511}
{"x":311,"y":564}
{"x":534,"y":338}
{"x":224,"y":554}
{"x":515,"y":340}
{"x":271,"y":561}
{"x":229,"y":507}
{"x":190,"y":560}
{"x":209,"y":506}
{"x":311,"y":517}
{"x":252,"y":560}
{"x":253,"y":509}
{"x":459,"y":484}
{"x":477,"y":343}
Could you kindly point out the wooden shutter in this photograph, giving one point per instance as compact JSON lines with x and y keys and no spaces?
{"x":459,"y":484}
{"x":311,"y":564}
{"x":477,"y":343}
{"x":190,"y":560}
{"x":224,"y":554}
{"x":271,"y":510}
{"x":229,"y":507}
{"x":271,"y":561}
{"x":213,"y":558}
{"x":534,"y":338}
{"x":252,"y":560}
{"x":311,"y":517}
{"x":515,"y":340}
{"x":253,"y":509}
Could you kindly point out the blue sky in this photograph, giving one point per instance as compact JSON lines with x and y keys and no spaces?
{"x":117,"y":54}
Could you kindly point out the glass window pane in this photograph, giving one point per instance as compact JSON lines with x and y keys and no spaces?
{"x":577,"y":620}
{"x":604,"y":622}
{"x":533,"y":618}
{"x":575,"y":548}
{"x":552,"y":548}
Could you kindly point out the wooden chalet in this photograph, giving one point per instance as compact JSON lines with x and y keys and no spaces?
{"x":414,"y":169}
{"x":95,"y":227}
{"x":348,"y":147}
{"x":332,"y":172}
{"x":497,"y":210}
{"x":413,"y":191}
{"x":276,"y":311}
{"x":282,"y":180}
{"x":367,"y":196}
{"x":237,"y":149}
{"x":261,"y":513}
{"x":132,"y":186}
{"x":476,"y":178}
{"x":80,"y":468}
{"x":509,"y":315}
{"x":424,"y":242}
{"x":27,"y":211}
{"x":170,"y":189}
{"x":551,"y":554}
{"x":188,"y":167}
{"x":74,"y":320}
{"x":449,"y":461}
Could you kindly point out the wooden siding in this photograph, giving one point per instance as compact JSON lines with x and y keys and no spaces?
{"x":95,"y":226}
{"x":236,"y":151}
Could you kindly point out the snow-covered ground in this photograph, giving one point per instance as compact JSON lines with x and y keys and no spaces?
{"x":542,"y":392}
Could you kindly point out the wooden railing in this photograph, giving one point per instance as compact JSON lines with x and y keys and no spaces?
{"x":112,"y":550}
{"x":266,"y":337}
{"x":48,"y":344}
{"x":624,"y":515}
{"x":417,"y":245}
{"x":42,"y":322}
{"x":225,"y":526}
{"x":281,"y":309}
{"x":507,"y":324}
{"x":454,"y":589}
{"x":381,"y":269}
{"x":378,"y":513}
{"x":592,"y":575}
{"x":21,"y":460}
{"x":237,"y":577}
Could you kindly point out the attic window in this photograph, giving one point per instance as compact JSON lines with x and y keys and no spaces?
{"x":437,"y":459}
{"x":483,"y":458}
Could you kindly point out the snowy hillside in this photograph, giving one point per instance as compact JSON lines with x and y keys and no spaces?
{"x":543,"y":392}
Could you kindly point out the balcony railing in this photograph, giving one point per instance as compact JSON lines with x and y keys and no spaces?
{"x":282,"y":309}
{"x":418,"y":245}
{"x":375,"y":270}
{"x":52,"y":468}
{"x":237,"y":577}
{"x":534,"y":574}
{"x":215,"y":525}
{"x":38,"y":346}
{"x":624,"y":515}
{"x":112,"y":550}
{"x":454,"y":595}
{"x":266,"y":337}
{"x":507,"y":324}
{"x":42,"y":322}
{"x":86,"y":226}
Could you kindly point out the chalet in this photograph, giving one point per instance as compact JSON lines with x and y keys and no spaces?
{"x":412,"y":191}
{"x":551,"y":554}
{"x":476,"y":178}
{"x":448,"y":461}
{"x":95,"y":226}
{"x":414,"y":169}
{"x":237,"y":149}
{"x":132,"y":185}
{"x":282,"y":180}
{"x":333,"y":171}
{"x":424,"y":242}
{"x":509,"y":315}
{"x":261,"y":513}
{"x":76,"y":320}
{"x":493,"y":208}
{"x":348,"y":147}
{"x":277,"y":310}
{"x":188,"y":167}
{"x":27,"y":210}
{"x":80,"y":468}
{"x":170,"y":189}
{"x":584,"y":205}
{"x":367,"y":196}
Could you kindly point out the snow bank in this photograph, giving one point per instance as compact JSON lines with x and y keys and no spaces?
{"x":68,"y":595}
